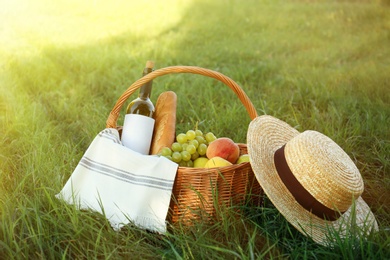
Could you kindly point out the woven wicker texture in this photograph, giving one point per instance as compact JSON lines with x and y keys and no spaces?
{"x":197,"y":191}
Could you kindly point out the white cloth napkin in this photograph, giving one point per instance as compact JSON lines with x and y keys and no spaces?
{"x":122,"y":184}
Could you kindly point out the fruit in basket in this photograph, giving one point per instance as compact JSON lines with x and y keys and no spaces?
{"x":176,"y":157}
{"x":191,"y":148}
{"x":243,"y":158}
{"x":225,"y":148}
{"x":191,"y":134}
{"x":202,"y":149}
{"x":176,"y":147}
{"x":210,"y":137}
{"x":200,"y":162}
{"x":188,"y":147}
{"x":181,"y":138}
{"x":166,"y":151}
{"x":217,"y":162}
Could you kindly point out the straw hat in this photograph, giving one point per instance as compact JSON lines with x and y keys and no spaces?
{"x":310,"y":179}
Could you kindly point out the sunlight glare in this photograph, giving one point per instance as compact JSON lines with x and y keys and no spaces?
{"x":32,"y":25}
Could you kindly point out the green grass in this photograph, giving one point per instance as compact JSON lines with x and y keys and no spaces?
{"x":321,"y":65}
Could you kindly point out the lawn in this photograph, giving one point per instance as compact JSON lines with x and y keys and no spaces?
{"x":320,"y":65}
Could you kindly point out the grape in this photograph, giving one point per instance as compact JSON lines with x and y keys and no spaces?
{"x":185,"y":156}
{"x":166,"y":151}
{"x":191,"y":148}
{"x":184,"y":146}
{"x":176,"y":157}
{"x":190,"y":134}
{"x":190,"y":163}
{"x":202,"y":149}
{"x":200,"y":139}
{"x":198,"y":132}
{"x":176,"y":147}
{"x":188,"y":147}
{"x":194,"y":156}
{"x":194,"y":143}
{"x":210,"y":137}
{"x":183,"y":164}
{"x":182,"y":138}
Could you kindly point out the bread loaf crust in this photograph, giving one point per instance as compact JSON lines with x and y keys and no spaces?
{"x":165,"y":121}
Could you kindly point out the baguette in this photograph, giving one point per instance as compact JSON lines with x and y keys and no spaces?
{"x":165,"y":122}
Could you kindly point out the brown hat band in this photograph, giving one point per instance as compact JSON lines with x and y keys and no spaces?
{"x":301,"y":195}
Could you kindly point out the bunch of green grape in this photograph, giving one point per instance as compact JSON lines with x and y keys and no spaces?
{"x":188,"y":147}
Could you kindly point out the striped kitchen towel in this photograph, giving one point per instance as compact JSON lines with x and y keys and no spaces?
{"x":121,"y":184}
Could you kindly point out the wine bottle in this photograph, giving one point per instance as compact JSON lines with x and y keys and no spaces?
{"x":139,"y":123}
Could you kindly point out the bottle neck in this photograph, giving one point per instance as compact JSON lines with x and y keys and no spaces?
{"x":146,"y":89}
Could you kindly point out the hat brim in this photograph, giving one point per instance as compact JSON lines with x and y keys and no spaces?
{"x":266,"y":134}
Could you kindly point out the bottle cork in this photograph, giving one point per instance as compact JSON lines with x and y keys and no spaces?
{"x":149,"y":64}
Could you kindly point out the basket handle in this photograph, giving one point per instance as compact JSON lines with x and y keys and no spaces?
{"x":114,"y":114}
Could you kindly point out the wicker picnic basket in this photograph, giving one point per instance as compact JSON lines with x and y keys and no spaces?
{"x":198,"y":191}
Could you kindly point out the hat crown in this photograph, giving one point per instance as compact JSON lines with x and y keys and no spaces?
{"x":324,"y":170}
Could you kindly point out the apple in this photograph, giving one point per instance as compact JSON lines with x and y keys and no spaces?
{"x":225,"y":148}
{"x":200,"y":162}
{"x":217,"y":162}
{"x":243,"y":158}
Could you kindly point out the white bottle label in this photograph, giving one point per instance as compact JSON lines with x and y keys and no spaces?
{"x":137,"y":132}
